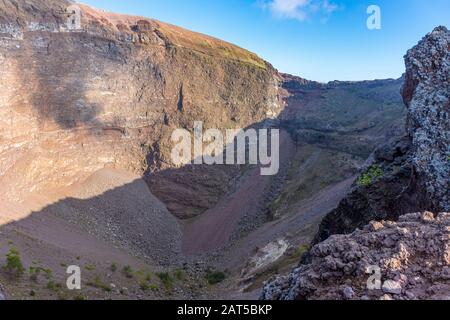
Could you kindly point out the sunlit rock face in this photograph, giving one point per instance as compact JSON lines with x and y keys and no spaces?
{"x":109,"y":94}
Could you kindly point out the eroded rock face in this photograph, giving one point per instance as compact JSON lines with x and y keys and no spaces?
{"x":411,"y":256}
{"x":109,"y":95}
{"x":410,"y":174}
{"x":427,"y":94}
{"x":414,"y":171}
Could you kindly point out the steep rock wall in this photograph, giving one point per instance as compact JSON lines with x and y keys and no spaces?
{"x":410,"y":174}
{"x":109,"y":95}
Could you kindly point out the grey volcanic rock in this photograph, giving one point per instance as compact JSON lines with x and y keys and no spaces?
{"x":413,"y":257}
{"x":114,"y":91}
{"x":410,"y":174}
{"x":427,"y":94}
{"x":414,"y":170}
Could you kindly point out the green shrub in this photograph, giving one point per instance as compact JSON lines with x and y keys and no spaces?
{"x":89,"y":267}
{"x":52,"y":285}
{"x":48,"y":273}
{"x":215,"y":277}
{"x":99,"y":284}
{"x":34,"y":273}
{"x":372,"y":175}
{"x":79,"y":297}
{"x":180,"y":275}
{"x":13,"y":264}
{"x":113,"y":267}
{"x":144,"y":286}
{"x":127,"y":272}
{"x":154,"y":287}
{"x":166,"y":279}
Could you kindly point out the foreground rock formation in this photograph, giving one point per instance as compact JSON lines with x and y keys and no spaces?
{"x":412,"y":257}
{"x":412,"y":172}
{"x":408,"y":175}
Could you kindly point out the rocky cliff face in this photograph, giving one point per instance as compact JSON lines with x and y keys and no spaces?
{"x":407,"y":175}
{"x":109,"y":94}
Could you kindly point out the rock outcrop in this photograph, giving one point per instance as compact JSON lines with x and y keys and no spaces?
{"x":427,"y":93}
{"x":413,"y":172}
{"x":404,"y":260}
{"x":2,"y":294}
{"x":410,"y":174}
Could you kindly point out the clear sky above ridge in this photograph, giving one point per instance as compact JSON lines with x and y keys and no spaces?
{"x":320,"y":40}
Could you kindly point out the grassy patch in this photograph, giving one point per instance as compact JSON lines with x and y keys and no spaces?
{"x":127,"y":271}
{"x":154,"y":287}
{"x":144,"y":286}
{"x":99,"y":284}
{"x":166,"y":279}
{"x":14,"y":266}
{"x":214,"y":277}
{"x":89,"y":267}
{"x":113,"y":267}
{"x":180,"y":275}
{"x":373,"y":174}
{"x":53,"y":286}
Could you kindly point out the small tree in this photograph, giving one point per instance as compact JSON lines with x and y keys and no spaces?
{"x":13,"y":264}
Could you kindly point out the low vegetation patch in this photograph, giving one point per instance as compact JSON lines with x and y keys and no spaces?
{"x":89,"y":267}
{"x":13,"y":266}
{"x":180,"y":275}
{"x":373,"y":174}
{"x":127,"y":271}
{"x":99,"y":284}
{"x":35,"y":271}
{"x":144,"y":286}
{"x":214,"y":277}
{"x":53,"y":286}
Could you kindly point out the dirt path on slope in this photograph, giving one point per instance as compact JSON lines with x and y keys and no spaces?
{"x":213,"y":229}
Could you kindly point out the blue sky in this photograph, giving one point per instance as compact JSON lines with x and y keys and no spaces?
{"x":320,"y":40}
